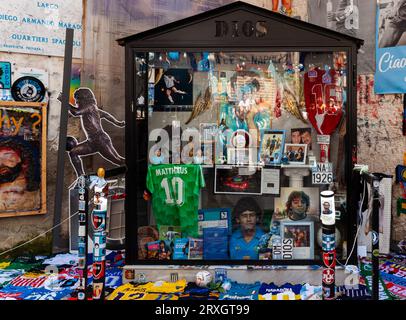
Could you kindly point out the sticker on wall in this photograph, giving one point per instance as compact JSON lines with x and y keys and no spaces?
{"x":97,"y":140}
{"x":28,"y":89}
{"x":5,"y":75}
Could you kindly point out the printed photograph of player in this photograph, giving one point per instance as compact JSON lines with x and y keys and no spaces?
{"x":302,"y":234}
{"x":297,"y":204}
{"x":392,"y":23}
{"x":173,"y":87}
{"x":299,"y":234}
{"x":271,"y":146}
{"x":302,"y":136}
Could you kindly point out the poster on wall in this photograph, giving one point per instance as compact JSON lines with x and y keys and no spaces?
{"x":23,"y":159}
{"x":390,"y":47}
{"x":355,"y":18}
{"x":43,"y":30}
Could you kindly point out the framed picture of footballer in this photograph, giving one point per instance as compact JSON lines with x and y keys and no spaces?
{"x":237,"y":180}
{"x":296,"y":153}
{"x":302,"y":234}
{"x":271,"y":146}
{"x":173,"y":88}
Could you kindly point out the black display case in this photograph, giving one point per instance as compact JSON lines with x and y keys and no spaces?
{"x":223,"y":55}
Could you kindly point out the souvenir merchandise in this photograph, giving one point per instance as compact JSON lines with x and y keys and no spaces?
{"x":83,"y":208}
{"x":302,"y":236}
{"x":296,"y":153}
{"x":274,"y":292}
{"x":175,"y":195}
{"x":240,"y":291}
{"x":272,"y":146}
{"x":215,"y":242}
{"x":324,"y":94}
{"x":203,"y":278}
{"x":181,"y":249}
{"x":98,"y":217}
{"x":195,"y":249}
{"x":366,"y":273}
{"x":8,"y":275}
{"x":309,"y":292}
{"x":219,"y":218}
{"x":150,"y":291}
{"x":327,"y":218}
{"x":195,"y":292}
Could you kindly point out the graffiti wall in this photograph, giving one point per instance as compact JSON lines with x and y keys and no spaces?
{"x":22,"y":160}
{"x":380,"y":140}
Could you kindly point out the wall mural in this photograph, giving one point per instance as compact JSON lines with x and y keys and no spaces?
{"x":353,"y":17}
{"x":22,"y":158}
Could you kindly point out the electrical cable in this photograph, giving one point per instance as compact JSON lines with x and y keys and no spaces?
{"x":358,"y":229}
{"x":39,"y":236}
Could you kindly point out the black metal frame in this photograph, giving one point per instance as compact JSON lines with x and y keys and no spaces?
{"x":136,"y":128}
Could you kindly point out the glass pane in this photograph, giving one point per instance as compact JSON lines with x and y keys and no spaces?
{"x":240,"y":145}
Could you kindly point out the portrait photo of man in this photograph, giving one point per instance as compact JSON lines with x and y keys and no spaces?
{"x":245,"y":239}
{"x":297,"y":205}
{"x":19,"y":175}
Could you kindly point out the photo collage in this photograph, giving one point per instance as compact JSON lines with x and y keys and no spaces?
{"x":235,"y":147}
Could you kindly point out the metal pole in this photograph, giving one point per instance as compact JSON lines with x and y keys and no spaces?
{"x":375,"y":238}
{"x":63,"y":128}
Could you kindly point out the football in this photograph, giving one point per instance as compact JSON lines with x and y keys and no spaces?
{"x":203,"y":278}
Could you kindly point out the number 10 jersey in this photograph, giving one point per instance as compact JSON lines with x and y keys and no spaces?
{"x":175,"y":195}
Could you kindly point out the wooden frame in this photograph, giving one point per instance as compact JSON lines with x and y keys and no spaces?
{"x":42,"y":106}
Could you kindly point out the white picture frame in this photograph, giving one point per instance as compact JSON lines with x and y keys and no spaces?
{"x":296,"y":153}
{"x":296,"y":228}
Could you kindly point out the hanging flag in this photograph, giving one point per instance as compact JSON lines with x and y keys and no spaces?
{"x":390,"y":47}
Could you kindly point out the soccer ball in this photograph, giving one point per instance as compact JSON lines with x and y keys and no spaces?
{"x":203,"y":278}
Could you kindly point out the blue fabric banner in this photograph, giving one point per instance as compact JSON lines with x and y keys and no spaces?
{"x":391,"y":47}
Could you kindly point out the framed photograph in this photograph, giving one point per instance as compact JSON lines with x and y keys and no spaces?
{"x":271,"y":181}
{"x":237,"y":180}
{"x":296,"y":153}
{"x":23,"y":150}
{"x":302,"y":234}
{"x":271,"y":146}
{"x":242,"y":156}
{"x":297,"y":203}
{"x":301,"y":136}
{"x":173,"y":87}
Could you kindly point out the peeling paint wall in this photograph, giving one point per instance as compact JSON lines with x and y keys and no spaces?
{"x":380,"y":140}
{"x":18,"y":229}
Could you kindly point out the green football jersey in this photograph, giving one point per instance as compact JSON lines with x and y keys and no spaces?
{"x":175,"y":195}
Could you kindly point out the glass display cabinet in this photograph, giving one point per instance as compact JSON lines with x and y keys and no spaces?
{"x":237,"y":119}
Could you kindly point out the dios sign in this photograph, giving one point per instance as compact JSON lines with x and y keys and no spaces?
{"x":236,"y":29}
